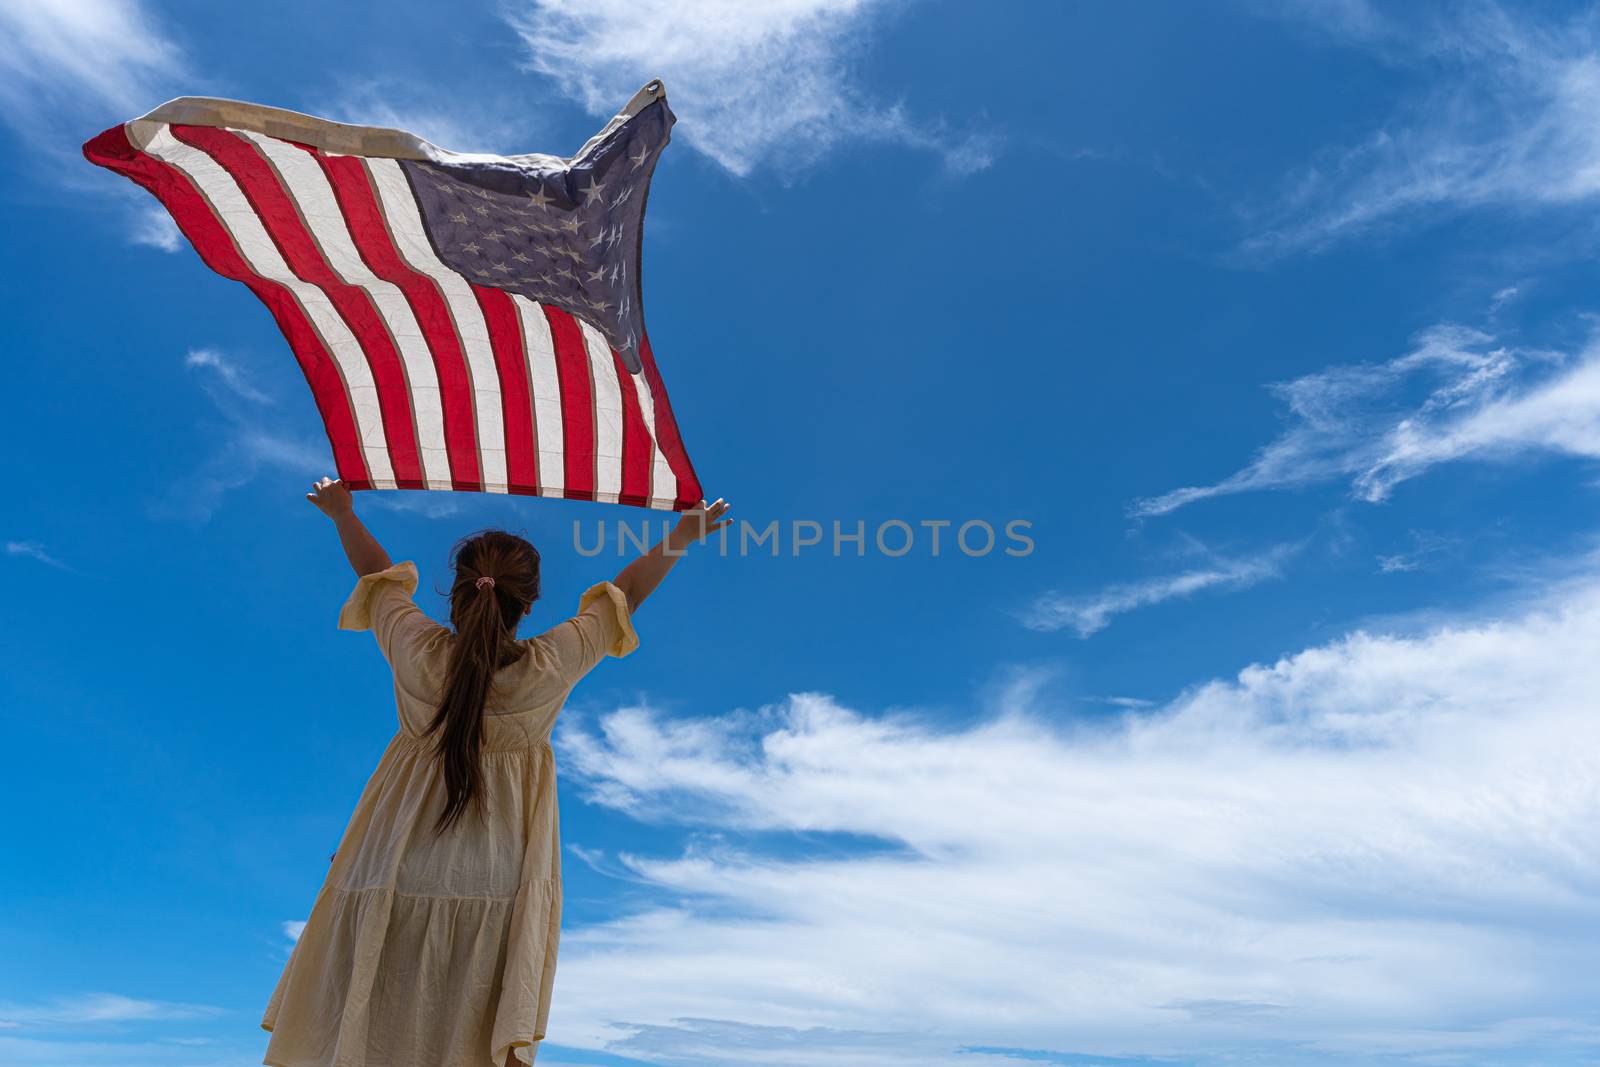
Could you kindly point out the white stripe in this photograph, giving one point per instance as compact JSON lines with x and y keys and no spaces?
{"x":607,"y":415}
{"x":663,"y":483}
{"x":405,"y":225}
{"x":545,"y":385}
{"x":308,"y":185}
{"x":242,"y":223}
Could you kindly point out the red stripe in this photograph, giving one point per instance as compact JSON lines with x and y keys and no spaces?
{"x":505,"y":336}
{"x":198,"y":222}
{"x":352,"y":187}
{"x":277,"y":211}
{"x":638,"y":450}
{"x":667,"y":436}
{"x":577,"y":403}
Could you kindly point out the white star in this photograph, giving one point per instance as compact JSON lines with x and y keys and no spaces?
{"x":540,"y":201}
{"x":638,"y":160}
{"x":593,"y":192}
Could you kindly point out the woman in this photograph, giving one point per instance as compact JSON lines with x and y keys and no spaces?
{"x":433,"y":940}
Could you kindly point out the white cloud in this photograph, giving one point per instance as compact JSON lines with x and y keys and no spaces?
{"x":1355,"y":20}
{"x":1378,"y":847}
{"x":1127,"y":702}
{"x":108,"y":53}
{"x":459,"y":123}
{"x":34,"y":550}
{"x":227,"y":372}
{"x":1502,"y":297}
{"x":1481,"y":400}
{"x":427,"y":503}
{"x":91,"y":1008}
{"x":293,"y":928}
{"x":154,"y":228}
{"x":250,"y":445}
{"x":1425,"y":548}
{"x":1090,"y":613}
{"x":1508,"y":122}
{"x":17,"y":1050}
{"x":254,"y":444}
{"x":72,"y":68}
{"x":752,"y":83}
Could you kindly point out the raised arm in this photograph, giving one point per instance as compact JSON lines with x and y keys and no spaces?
{"x":640,"y":578}
{"x":333,"y":500}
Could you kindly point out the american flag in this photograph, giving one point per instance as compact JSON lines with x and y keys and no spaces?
{"x":466,"y":322}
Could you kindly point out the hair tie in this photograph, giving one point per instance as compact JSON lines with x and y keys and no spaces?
{"x":485,"y":581}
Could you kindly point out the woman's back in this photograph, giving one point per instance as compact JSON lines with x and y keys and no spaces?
{"x":417,"y":924}
{"x":433,"y":938}
{"x":534,"y":685}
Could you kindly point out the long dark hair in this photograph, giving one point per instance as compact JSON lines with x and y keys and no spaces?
{"x":485,"y":620}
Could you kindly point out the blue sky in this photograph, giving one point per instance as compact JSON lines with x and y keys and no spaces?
{"x":1275,"y":321}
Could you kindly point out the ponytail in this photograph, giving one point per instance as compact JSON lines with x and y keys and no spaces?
{"x":497,"y":578}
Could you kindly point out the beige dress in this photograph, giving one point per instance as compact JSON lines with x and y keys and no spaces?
{"x":427,"y":950}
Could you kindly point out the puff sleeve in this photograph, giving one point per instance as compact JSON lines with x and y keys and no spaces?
{"x":603,"y":627}
{"x":382,"y":602}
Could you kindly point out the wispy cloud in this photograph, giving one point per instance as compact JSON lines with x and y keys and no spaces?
{"x":108,"y":1028}
{"x":251,"y":443}
{"x":1479,"y":400}
{"x":1375,"y":847}
{"x":91,"y":1008}
{"x":1508,"y":121}
{"x":1426,"y":547}
{"x":71,"y":68}
{"x":293,"y":928}
{"x":83,"y":52}
{"x":428,"y":504}
{"x":254,"y":443}
{"x":753,"y":84}
{"x":1089,"y":613}
{"x":227,"y":373}
{"x":34,"y":550}
{"x":152,"y":226}
{"x":1127,"y":702}
{"x":460,"y":123}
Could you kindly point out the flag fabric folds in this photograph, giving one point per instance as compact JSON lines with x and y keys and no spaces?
{"x":467,"y":322}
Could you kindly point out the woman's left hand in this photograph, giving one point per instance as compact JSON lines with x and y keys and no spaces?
{"x":331,"y":498}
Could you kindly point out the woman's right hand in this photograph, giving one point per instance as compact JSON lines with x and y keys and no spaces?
{"x":698,"y":523}
{"x":331,"y":497}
